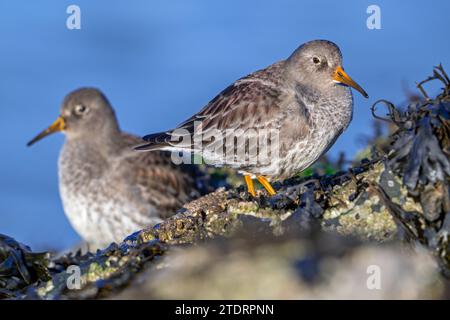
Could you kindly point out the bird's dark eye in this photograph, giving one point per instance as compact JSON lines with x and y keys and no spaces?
{"x":316,"y":60}
{"x":80,"y":109}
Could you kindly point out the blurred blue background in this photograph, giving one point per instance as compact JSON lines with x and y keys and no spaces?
{"x":160,"y":61}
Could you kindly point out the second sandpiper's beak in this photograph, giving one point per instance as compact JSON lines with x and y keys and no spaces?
{"x":57,"y":126}
{"x":340,"y":76}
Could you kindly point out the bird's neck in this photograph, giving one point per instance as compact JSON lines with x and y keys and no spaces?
{"x":103,"y":139}
{"x":330,"y":107}
{"x":336,"y":108}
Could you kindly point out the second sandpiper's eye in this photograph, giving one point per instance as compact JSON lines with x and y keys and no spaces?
{"x":80,"y":109}
{"x":316,"y":60}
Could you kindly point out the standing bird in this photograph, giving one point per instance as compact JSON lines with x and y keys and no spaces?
{"x":305,"y":100}
{"x":107,"y":189}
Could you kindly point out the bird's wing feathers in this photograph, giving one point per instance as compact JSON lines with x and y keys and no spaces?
{"x":250,"y":104}
{"x":244,"y":104}
{"x":155,"y":179}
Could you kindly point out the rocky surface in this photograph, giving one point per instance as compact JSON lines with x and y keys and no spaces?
{"x":321,"y":236}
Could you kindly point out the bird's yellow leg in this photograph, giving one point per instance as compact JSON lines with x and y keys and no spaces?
{"x":250,"y":186}
{"x":266,"y":185}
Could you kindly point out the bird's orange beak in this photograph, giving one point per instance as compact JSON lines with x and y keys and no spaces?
{"x":57,"y":126}
{"x":340,"y":76}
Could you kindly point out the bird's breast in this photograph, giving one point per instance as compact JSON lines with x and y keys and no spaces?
{"x":328,"y":118}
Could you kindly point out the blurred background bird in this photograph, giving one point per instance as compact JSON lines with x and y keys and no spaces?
{"x":108,"y":190}
{"x":305,"y":102}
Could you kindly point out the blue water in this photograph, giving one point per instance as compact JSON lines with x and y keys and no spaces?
{"x":160,"y":61}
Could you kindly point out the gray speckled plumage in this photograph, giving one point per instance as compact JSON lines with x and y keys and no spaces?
{"x":107,"y":189}
{"x":298,"y":97}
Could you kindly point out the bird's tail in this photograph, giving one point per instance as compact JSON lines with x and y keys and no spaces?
{"x":155,"y":141}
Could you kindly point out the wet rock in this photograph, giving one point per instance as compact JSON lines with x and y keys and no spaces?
{"x":295,"y":268}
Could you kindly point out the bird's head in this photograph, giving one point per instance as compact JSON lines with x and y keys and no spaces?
{"x":318,"y":64}
{"x":85,"y":112}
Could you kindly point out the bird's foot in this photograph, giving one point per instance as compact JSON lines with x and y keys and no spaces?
{"x":264,"y":182}
{"x":250,"y":185}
